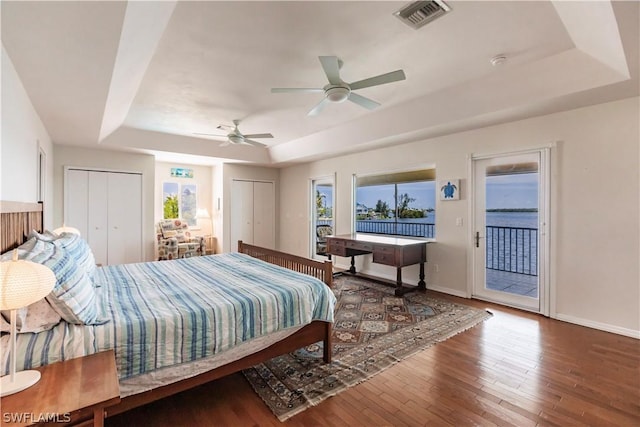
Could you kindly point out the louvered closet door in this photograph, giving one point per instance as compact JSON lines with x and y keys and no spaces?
{"x":125,"y":218}
{"x":264,"y":214}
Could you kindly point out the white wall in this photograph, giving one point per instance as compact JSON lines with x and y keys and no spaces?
{"x":65,"y":155}
{"x":22,"y":134}
{"x":217,"y":208}
{"x":595,"y":212}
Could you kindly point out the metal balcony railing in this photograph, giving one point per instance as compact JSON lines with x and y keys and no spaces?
{"x":512,"y":249}
{"x":400,"y":228}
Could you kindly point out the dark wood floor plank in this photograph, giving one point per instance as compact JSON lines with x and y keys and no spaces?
{"x":515,"y":369}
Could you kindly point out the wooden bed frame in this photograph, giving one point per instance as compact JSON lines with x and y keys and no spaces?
{"x":18,"y":219}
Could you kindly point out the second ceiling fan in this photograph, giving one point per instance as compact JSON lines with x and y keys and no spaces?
{"x":237,"y":137}
{"x":339,"y":91}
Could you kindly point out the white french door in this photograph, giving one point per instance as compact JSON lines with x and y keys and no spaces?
{"x":322,"y":214}
{"x":510,"y":223}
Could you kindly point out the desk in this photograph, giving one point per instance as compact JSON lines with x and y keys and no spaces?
{"x":67,"y":392}
{"x":393,"y":251}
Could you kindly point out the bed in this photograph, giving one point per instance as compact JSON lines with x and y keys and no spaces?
{"x":178,"y":324}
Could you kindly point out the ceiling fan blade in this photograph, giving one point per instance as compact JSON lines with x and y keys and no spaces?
{"x":331,"y":68}
{"x":254,"y":143}
{"x":319,"y":107}
{"x":391,"y":77}
{"x":296,"y":89}
{"x":259,"y":135}
{"x":362,"y":101}
{"x":224,"y":126}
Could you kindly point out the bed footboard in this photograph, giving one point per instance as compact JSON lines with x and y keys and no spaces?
{"x":320,"y":270}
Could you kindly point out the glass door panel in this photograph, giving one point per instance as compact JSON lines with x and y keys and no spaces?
{"x":322,"y":224}
{"x":507,"y":239}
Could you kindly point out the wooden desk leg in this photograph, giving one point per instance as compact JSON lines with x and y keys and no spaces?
{"x":399,"y":289}
{"x":422,"y":285}
{"x":352,"y":269}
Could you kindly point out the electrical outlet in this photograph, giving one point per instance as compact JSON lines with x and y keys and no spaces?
{"x":459,"y":222}
{"x":436,"y":268}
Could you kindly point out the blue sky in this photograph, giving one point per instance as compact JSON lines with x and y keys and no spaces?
{"x":327,"y":191}
{"x":423,"y":192}
{"x":512,"y":191}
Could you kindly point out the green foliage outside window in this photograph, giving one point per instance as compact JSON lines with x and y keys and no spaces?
{"x":171,"y":207}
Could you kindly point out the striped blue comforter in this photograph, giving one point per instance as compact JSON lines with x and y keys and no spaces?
{"x":169,"y":312}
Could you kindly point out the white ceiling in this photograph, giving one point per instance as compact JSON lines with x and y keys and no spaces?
{"x":148,"y":75}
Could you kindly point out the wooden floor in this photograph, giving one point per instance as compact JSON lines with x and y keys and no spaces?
{"x":515,"y":369}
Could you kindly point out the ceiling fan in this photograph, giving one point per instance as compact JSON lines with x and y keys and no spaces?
{"x":339,"y":91}
{"x":236,"y":137}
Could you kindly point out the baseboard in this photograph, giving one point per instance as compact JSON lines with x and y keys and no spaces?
{"x":598,"y":325}
{"x":454,"y":292}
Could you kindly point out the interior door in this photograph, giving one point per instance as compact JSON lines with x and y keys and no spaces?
{"x":264,"y":214}
{"x":76,"y":200}
{"x":125,"y":218}
{"x":98,"y":211}
{"x":509,"y":237}
{"x":241,"y":212}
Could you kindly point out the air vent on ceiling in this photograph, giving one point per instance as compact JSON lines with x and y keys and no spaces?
{"x":419,"y":13}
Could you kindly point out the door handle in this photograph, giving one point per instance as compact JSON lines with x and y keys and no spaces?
{"x":477,"y":239}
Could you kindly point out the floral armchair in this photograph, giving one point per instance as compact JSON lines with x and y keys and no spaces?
{"x":176,"y":241}
{"x":322,"y":231}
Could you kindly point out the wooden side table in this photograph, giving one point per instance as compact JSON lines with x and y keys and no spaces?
{"x":68,"y":392}
{"x":210,"y":242}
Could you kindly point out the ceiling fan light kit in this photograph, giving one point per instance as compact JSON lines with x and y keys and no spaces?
{"x":338,"y":91}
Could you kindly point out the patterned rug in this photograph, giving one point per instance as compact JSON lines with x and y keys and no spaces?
{"x":373,"y":330}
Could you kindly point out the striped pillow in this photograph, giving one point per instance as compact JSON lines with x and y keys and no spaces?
{"x":73,"y":296}
{"x":79,"y":250}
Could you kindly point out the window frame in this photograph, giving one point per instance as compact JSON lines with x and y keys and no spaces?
{"x":191,"y":220}
{"x":384,"y":176}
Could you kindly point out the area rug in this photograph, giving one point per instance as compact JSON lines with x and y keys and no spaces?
{"x":373,"y":330}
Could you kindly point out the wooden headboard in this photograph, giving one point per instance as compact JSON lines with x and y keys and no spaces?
{"x":17,"y":219}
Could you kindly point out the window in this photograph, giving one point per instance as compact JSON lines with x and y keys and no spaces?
{"x":179,"y":201}
{"x":399,"y":204}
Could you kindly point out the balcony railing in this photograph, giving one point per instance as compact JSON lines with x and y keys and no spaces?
{"x":400,"y":228}
{"x":512,"y":249}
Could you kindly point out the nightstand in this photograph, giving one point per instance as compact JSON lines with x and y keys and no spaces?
{"x":210,"y":242}
{"x":68,"y":392}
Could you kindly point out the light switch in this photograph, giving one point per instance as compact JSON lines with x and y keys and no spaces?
{"x":459,"y":222}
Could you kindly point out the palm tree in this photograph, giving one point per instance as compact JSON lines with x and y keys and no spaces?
{"x":321,"y":203}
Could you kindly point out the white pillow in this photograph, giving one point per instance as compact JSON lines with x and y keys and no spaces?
{"x":23,"y":250}
{"x":37,"y":317}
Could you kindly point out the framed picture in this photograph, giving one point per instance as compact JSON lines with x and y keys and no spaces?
{"x":181,"y":173}
{"x":449,"y":189}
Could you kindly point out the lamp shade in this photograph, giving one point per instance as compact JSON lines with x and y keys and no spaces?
{"x":23,"y":283}
{"x":202,"y":213}
{"x":66,"y":229}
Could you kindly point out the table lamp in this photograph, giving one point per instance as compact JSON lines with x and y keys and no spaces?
{"x":66,"y":229}
{"x":203,"y":213}
{"x":21,"y":283}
